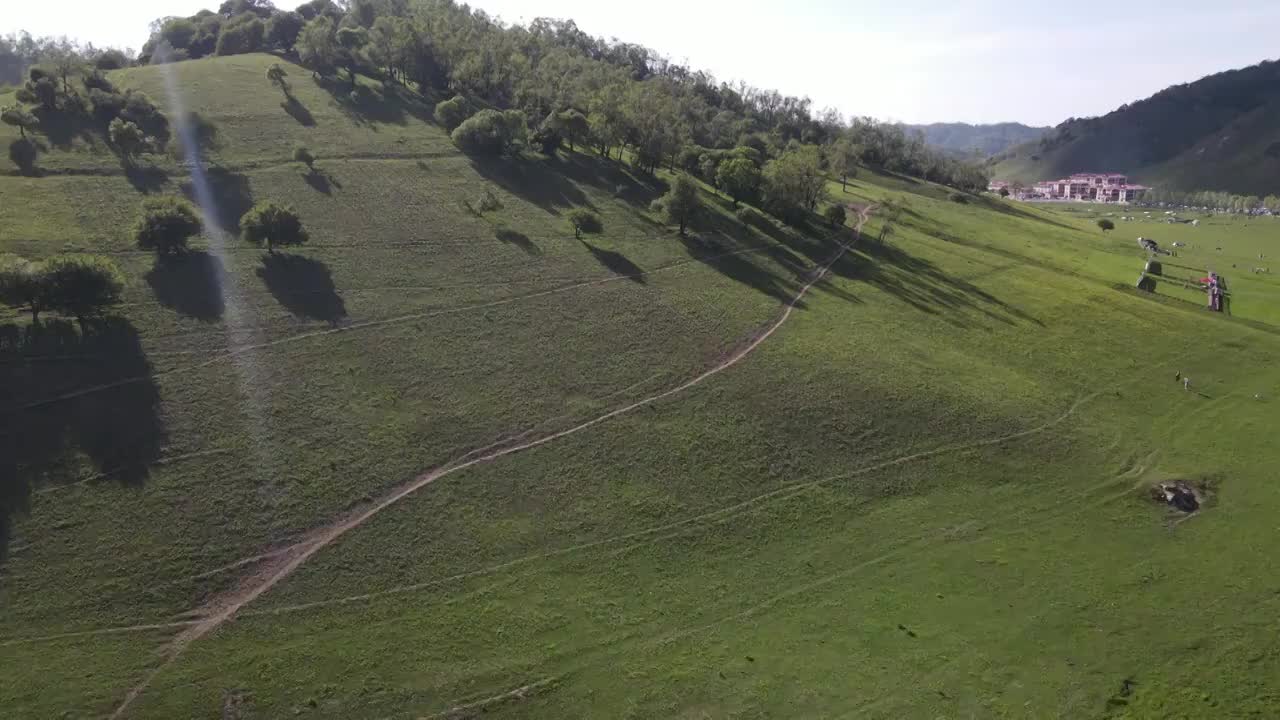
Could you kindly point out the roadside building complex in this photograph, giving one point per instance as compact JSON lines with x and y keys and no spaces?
{"x":1091,"y":187}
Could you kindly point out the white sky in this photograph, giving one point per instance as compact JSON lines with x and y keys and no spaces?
{"x":909,"y":60}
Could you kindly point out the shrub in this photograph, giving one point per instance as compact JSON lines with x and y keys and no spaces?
{"x":23,"y":153}
{"x":748,"y":216}
{"x":452,"y":112}
{"x":166,"y":224}
{"x":957,"y":197}
{"x":1106,"y":225}
{"x":835,"y":215}
{"x":584,"y":221}
{"x":111,"y":59}
{"x":658,"y":206}
{"x":489,"y":202}
{"x":273,"y":225}
{"x":303,"y":155}
{"x":490,"y":132}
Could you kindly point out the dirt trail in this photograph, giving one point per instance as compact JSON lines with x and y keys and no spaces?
{"x":224,"y":608}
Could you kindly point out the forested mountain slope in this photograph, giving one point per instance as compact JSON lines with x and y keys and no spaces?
{"x":1221,"y":132}
{"x":981,"y":140}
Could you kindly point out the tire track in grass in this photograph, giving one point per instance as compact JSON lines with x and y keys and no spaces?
{"x":224,"y":608}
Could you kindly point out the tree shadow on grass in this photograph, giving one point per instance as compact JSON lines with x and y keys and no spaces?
{"x":636,"y":189}
{"x":298,"y":111}
{"x":924,"y":286}
{"x":190,"y":283}
{"x":303,"y":286}
{"x":146,"y":179}
{"x":780,"y":279}
{"x":321,"y":181}
{"x":369,"y":106}
{"x":616,"y":262}
{"x":231,"y":195}
{"x":531,"y":181}
{"x":519,"y":239}
{"x":44,"y":440}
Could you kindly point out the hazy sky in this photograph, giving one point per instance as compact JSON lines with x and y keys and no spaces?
{"x":909,"y":60}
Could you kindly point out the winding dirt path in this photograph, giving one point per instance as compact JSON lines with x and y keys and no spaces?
{"x":222,"y":609}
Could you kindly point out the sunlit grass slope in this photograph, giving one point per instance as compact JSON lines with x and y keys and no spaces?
{"x":926,"y":495}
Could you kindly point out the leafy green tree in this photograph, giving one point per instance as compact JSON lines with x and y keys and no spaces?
{"x":835,"y":215}
{"x":582,"y":221}
{"x":166,"y":225}
{"x":23,"y":284}
{"x":179,"y":32}
{"x":127,"y":138}
{"x":283,"y":29}
{"x":842,"y":158}
{"x":452,"y":112}
{"x":20,"y":118}
{"x":111,"y":59}
{"x":317,"y":48}
{"x":1106,"y":225}
{"x":66,"y":60}
{"x":681,"y":203}
{"x":739,"y":177}
{"x":278,"y":77}
{"x":40,"y":89}
{"x":574,"y":126}
{"x":241,"y":34}
{"x":490,"y":132}
{"x":82,"y":285}
{"x":318,"y":8}
{"x":351,"y":40}
{"x":273,"y":225}
{"x":794,"y":181}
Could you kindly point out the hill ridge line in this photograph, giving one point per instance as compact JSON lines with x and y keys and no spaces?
{"x":221,"y":610}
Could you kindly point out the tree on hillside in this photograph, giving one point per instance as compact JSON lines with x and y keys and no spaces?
{"x":23,"y":284}
{"x":317,"y":48}
{"x":351,"y":40}
{"x":283,"y":29}
{"x":681,"y":203}
{"x":1004,"y":192}
{"x":40,"y":90}
{"x":490,"y":132}
{"x":279,"y":78}
{"x":835,"y":215}
{"x":20,"y":118}
{"x":842,"y":158}
{"x":584,"y":221}
{"x":793,"y":182}
{"x":127,"y":138}
{"x":67,"y":60}
{"x":82,"y":285}
{"x":273,"y":225}
{"x":166,"y":224}
{"x":739,"y":177}
{"x":452,"y":112}
{"x":1106,"y":225}
{"x":573,"y":125}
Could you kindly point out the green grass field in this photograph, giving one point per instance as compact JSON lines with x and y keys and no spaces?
{"x":924,"y":495}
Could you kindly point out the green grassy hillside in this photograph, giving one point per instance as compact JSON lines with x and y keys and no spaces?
{"x":1218,"y":133}
{"x":924,"y":494}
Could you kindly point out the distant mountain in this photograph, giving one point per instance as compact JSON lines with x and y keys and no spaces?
{"x":1221,"y":132}
{"x":981,"y":140}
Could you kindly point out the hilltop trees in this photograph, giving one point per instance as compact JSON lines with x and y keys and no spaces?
{"x":273,"y":225}
{"x":317,"y":48}
{"x":166,"y":224}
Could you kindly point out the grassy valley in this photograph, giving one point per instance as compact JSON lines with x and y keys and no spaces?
{"x":446,"y":459}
